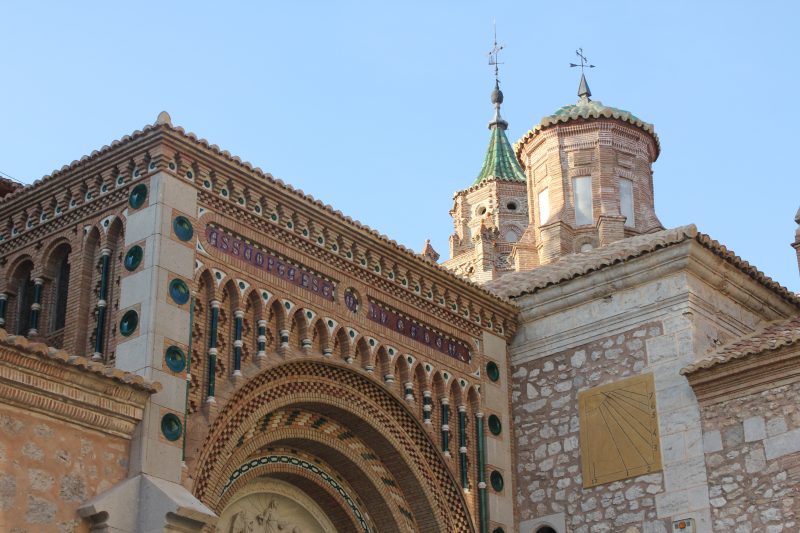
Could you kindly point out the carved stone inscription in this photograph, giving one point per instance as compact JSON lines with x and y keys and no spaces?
{"x":619,"y":430}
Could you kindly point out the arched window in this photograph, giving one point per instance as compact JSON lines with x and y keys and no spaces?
{"x":60,"y":296}
{"x":545,"y":529}
{"x":57,"y":287}
{"x":21,"y":297}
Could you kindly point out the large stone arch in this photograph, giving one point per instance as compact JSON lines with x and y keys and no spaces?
{"x":332,"y":391}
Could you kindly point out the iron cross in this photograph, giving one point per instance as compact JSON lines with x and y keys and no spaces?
{"x":584,"y":62}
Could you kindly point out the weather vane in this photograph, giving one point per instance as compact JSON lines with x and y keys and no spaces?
{"x":584,"y":62}
{"x":493,"y":53}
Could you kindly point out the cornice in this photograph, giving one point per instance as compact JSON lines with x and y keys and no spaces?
{"x":746,"y":376}
{"x":36,"y":378}
{"x":689,"y":256}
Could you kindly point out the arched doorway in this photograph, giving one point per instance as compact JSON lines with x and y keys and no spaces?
{"x":336,"y":438}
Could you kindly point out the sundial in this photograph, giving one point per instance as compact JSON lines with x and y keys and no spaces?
{"x":619,"y":431}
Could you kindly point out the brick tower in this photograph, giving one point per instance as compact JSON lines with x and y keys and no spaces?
{"x":492,"y":214}
{"x":796,"y":243}
{"x":590,"y":180}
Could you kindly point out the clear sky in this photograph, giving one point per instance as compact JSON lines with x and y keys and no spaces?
{"x":380,"y":109}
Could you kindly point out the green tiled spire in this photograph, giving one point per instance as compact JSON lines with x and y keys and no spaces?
{"x":500,"y":161}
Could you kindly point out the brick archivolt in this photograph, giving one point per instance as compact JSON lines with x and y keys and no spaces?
{"x":323,"y":438}
{"x":356,"y":402}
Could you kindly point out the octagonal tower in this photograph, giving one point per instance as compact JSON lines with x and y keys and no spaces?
{"x":589,"y":180}
{"x":491,"y":215}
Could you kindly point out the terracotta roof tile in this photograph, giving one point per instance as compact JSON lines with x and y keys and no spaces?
{"x":517,"y":284}
{"x":773,"y":336}
{"x":39,"y":348}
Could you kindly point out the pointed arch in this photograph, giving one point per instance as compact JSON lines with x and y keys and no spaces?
{"x":115,"y":241}
{"x":89,"y":285}
{"x":342,"y":347}
{"x":229,"y":304}
{"x":383,"y":364}
{"x":402,"y":373}
{"x":253,"y":312}
{"x":363,"y":355}
{"x":277,"y":324}
{"x":56,"y":274}
{"x":20,"y":296}
{"x":299,"y":333}
{"x":320,"y":340}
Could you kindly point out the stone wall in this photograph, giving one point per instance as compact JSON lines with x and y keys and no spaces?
{"x":752,"y":451}
{"x":49,"y":467}
{"x":654,"y":314}
{"x":547,"y":425}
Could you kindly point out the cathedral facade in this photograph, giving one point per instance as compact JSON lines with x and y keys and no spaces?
{"x":189,"y":344}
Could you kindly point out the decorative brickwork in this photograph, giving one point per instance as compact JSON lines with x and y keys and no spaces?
{"x":405,"y":447}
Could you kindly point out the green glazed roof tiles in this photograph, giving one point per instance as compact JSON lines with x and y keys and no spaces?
{"x":500,"y":161}
{"x":595,"y":109}
{"x":589,"y":109}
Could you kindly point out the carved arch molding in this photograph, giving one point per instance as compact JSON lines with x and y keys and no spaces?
{"x":341,"y":439}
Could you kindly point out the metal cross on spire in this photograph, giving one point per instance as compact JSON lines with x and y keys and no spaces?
{"x":584,"y":62}
{"x":583,"y":89}
{"x":493,"y":57}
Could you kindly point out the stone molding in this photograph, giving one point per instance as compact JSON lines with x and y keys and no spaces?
{"x":746,"y":376}
{"x":688,"y":258}
{"x":48,"y":381}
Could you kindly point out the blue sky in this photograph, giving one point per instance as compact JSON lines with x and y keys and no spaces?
{"x":380,"y":109}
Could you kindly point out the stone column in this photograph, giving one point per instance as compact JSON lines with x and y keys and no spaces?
{"x":102,"y":304}
{"x":238,"y":320}
{"x":426,"y":407}
{"x":409,"y":391}
{"x":483,"y":508}
{"x":262,"y":340}
{"x":36,"y":307}
{"x":211,"y":371}
{"x":445,"y":413}
{"x":462,"y":445}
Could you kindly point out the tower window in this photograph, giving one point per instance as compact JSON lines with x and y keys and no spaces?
{"x":544,"y":206}
{"x":511,"y":236}
{"x":481,"y":210}
{"x":511,"y":206}
{"x":626,"y":201}
{"x":62,"y":289}
{"x":582,"y":192}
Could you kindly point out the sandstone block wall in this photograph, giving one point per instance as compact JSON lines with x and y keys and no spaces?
{"x":752,"y":450}
{"x":549,"y":477}
{"x":48,"y":468}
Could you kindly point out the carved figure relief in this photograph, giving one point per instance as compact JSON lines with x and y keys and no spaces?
{"x":273,"y":506}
